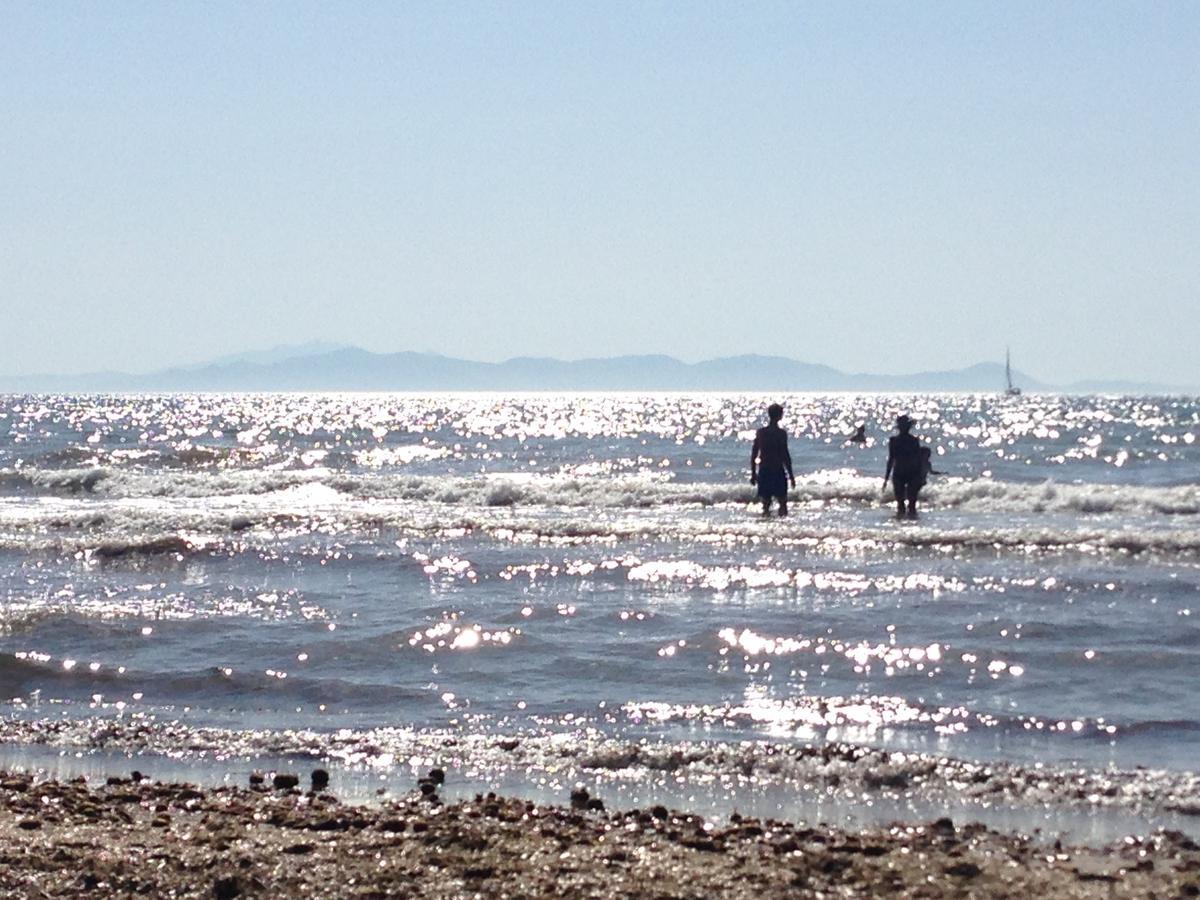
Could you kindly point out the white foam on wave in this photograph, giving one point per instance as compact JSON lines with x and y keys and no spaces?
{"x":626,"y":491}
{"x":851,"y":771}
{"x":248,"y":520}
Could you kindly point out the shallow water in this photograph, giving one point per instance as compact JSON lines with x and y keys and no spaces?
{"x":593,"y":567}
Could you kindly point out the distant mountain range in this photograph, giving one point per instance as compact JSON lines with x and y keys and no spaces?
{"x":331,"y":367}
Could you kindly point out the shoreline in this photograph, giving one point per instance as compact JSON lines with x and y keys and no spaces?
{"x":143,"y":837}
{"x":835,"y":784}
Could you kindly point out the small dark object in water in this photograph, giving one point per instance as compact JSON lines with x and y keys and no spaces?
{"x":285,"y":781}
{"x":256,"y":778}
{"x":427,"y":787}
{"x":437,"y":776}
{"x":137,"y":776}
{"x":320,"y":779}
{"x":595,"y":805}
{"x":226,"y":888}
{"x":659,"y":812}
{"x":579,"y":798}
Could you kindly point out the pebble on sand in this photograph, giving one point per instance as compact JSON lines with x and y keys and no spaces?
{"x":237,"y":842}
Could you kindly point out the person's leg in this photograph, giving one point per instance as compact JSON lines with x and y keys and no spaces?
{"x":913,"y":490}
{"x":766,"y":502}
{"x":898,"y":487}
{"x":782,"y":505}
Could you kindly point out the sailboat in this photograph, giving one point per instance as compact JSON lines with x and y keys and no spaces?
{"x":1011,"y":390}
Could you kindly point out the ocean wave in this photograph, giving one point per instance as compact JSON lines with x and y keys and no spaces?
{"x":23,"y":671}
{"x":833,"y":769}
{"x":137,"y":530}
{"x":111,"y":514}
{"x":832,"y":488}
{"x":166,"y":545}
{"x":56,"y":481}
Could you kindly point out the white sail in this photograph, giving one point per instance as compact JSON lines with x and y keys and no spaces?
{"x":1009,"y":388}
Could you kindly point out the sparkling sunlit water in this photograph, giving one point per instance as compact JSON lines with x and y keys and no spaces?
{"x":592,"y":567}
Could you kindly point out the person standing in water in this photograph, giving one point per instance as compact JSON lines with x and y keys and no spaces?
{"x":904,"y":467}
{"x":770,"y":462}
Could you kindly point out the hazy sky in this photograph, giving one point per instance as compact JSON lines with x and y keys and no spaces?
{"x":880,"y":187}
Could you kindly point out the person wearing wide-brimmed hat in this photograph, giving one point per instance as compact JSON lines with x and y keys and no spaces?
{"x":904,"y":468}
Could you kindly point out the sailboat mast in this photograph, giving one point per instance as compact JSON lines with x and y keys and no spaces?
{"x":1007,"y":369}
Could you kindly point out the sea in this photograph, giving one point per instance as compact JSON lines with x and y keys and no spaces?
{"x":538,"y":592}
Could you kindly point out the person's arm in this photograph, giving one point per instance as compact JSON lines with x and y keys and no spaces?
{"x":754,"y":461}
{"x":887,"y":473}
{"x":787,"y":461}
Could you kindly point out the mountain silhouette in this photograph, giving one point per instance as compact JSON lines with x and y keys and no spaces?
{"x":325,"y":367}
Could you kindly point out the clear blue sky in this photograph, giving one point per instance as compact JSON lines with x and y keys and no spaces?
{"x":881,"y":187}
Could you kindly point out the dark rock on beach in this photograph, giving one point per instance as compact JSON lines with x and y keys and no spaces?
{"x":579,"y":798}
{"x":151,"y":839}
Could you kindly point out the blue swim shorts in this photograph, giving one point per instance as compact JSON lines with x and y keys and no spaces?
{"x":772,"y":484}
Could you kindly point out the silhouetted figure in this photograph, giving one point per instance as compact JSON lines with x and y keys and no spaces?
{"x":770,"y":462}
{"x":859,"y":436}
{"x":927,"y":468}
{"x":904,"y":467}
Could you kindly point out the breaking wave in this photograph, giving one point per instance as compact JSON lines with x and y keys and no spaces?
{"x":831,"y":488}
{"x":829,"y":769}
{"x":138,"y":529}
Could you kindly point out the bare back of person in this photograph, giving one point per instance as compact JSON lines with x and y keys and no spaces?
{"x":772,"y":448}
{"x":771,"y":463}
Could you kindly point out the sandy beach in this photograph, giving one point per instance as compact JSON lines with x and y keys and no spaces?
{"x":130,"y":837}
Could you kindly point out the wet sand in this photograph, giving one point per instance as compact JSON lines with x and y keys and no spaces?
{"x":142,"y":837}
